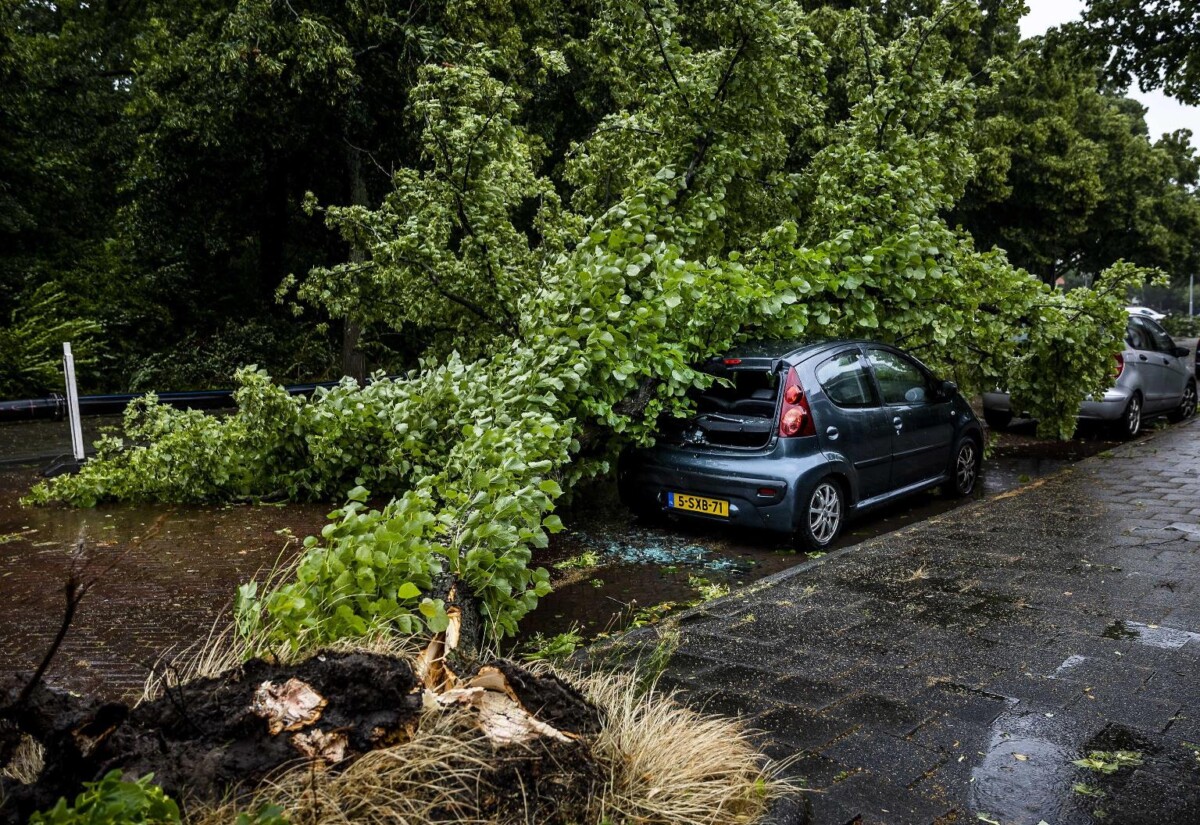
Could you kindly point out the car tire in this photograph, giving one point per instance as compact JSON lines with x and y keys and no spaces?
{"x":1130,"y":423}
{"x":997,"y":420}
{"x":1187,"y":406}
{"x":965,"y":465}
{"x":822,"y":516}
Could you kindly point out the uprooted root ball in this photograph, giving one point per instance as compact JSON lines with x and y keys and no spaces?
{"x":652,"y":761}
{"x":362,"y":738}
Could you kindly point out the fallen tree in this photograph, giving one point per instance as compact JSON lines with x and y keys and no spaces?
{"x":715,"y":199}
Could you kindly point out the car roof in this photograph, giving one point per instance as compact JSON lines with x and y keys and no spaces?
{"x":761,"y":352}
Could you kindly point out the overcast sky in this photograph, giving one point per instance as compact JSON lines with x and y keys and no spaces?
{"x":1164,"y":114}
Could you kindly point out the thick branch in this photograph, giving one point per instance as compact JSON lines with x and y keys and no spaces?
{"x":662,"y":50}
{"x":465,"y":303}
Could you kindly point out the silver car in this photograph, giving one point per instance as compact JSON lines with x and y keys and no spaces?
{"x":1154,"y":377}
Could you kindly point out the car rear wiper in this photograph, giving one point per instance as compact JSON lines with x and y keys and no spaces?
{"x":719,"y":417}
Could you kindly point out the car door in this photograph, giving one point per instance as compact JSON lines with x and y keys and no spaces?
{"x":1171,"y":370}
{"x":853,"y":422}
{"x":922,"y":419}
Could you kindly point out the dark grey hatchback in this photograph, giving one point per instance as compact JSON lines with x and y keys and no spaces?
{"x":796,"y":438}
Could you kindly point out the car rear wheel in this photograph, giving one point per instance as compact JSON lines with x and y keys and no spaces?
{"x":1130,"y":423}
{"x":822,"y":517}
{"x":1187,"y":405}
{"x":964,"y":471}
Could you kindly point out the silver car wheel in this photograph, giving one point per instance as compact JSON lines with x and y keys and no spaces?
{"x":966,"y":467}
{"x":1188,"y":408}
{"x":1133,"y":416}
{"x":825,"y":512}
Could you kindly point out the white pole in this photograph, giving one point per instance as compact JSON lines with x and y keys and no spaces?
{"x":1192,"y":295}
{"x":73,"y":402}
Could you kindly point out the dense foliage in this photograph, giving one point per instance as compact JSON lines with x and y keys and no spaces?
{"x":1155,"y":41}
{"x":718,"y":195}
{"x":154,"y":160}
{"x":1070,"y":181}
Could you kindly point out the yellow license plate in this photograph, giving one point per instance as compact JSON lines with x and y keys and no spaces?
{"x":698,"y":504}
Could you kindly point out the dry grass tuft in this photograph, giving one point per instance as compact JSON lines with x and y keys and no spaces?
{"x":433,"y":778}
{"x":670,"y":764}
{"x":27,"y":762}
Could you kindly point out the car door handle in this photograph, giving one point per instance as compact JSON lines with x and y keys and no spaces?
{"x":832,"y":432}
{"x":898,"y":423}
{"x":1143,"y":358}
{"x":1167,"y":361}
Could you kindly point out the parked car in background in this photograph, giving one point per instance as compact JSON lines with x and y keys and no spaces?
{"x":797,"y":438}
{"x":1153,"y":315}
{"x":1154,"y":377}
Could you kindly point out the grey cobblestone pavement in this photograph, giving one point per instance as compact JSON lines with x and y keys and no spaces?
{"x":953,"y":671}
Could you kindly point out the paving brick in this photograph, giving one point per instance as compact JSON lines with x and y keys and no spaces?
{"x":874,"y":801}
{"x":902,"y":761}
{"x":1004,"y":635}
{"x":880,"y":713}
{"x":803,"y":729}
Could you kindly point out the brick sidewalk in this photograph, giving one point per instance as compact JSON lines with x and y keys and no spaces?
{"x":952,"y":671}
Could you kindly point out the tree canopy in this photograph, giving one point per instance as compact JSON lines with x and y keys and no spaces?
{"x":1069,"y":181}
{"x":1155,"y":42}
{"x":156,"y":160}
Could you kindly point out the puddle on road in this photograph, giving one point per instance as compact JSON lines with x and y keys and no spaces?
{"x":1024,"y":776}
{"x":1165,"y":638}
{"x":166,"y":574}
{"x":1028,"y":775}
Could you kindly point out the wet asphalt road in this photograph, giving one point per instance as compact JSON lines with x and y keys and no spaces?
{"x":954,"y":671}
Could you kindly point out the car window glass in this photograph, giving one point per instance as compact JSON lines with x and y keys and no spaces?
{"x":1135,"y":336}
{"x":1162,"y":341}
{"x":845,"y":381}
{"x":900,"y":380}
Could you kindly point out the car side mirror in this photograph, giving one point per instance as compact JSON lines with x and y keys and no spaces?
{"x":948,"y":389}
{"x":1182,"y":352}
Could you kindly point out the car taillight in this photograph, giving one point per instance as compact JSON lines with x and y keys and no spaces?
{"x":1120,"y":365}
{"x":795,"y":418}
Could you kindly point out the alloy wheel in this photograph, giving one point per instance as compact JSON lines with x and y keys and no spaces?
{"x":1188,"y":408}
{"x":825,"y":512}
{"x":1133,"y":417}
{"x":966,"y":468}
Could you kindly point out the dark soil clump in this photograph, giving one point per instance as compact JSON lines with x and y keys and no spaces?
{"x":214,"y":737}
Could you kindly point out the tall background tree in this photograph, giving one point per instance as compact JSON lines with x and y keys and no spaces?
{"x":156,"y":160}
{"x":1153,"y":42}
{"x":1069,"y":179}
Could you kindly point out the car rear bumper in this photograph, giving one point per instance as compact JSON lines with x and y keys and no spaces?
{"x":1108,"y":407}
{"x":646,"y":477}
